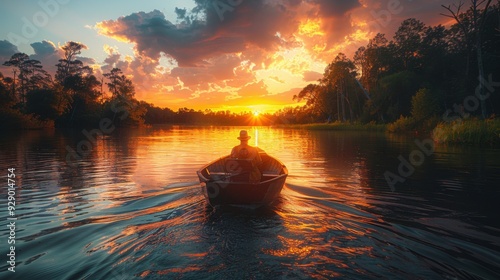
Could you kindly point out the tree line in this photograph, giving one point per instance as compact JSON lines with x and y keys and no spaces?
{"x":74,"y":97}
{"x":419,"y":73}
{"x":408,"y":80}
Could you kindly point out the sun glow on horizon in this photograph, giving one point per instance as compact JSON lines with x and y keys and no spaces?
{"x":270,"y":88}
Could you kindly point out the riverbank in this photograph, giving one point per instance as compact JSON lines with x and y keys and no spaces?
{"x":11,"y":119}
{"x":338,"y":126}
{"x":469,"y":132}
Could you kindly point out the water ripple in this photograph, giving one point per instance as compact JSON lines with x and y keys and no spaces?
{"x":134,"y":210}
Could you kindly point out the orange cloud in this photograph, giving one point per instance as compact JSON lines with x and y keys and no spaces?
{"x":258,"y":54}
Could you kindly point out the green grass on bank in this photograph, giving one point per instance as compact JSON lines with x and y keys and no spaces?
{"x":471,"y":131}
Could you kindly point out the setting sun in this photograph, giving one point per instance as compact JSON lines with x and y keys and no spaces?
{"x":252,"y":139}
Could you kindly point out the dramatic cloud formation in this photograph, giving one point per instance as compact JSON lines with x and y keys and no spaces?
{"x":251,"y":25}
{"x":225,"y":54}
{"x":7,"y":49}
{"x":222,"y":48}
{"x":47,"y":53}
{"x":311,"y":76}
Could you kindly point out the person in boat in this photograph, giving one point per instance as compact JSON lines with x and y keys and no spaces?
{"x":245,"y":151}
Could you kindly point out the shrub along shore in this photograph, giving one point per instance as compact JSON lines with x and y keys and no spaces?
{"x":472,"y":131}
{"x":468,"y":132}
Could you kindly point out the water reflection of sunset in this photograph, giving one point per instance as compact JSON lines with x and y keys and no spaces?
{"x":133,"y":207}
{"x":318,"y":201}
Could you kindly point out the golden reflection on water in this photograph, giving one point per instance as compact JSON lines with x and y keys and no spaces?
{"x":321,"y":169}
{"x":136,"y":193}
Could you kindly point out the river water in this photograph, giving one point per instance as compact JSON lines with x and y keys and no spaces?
{"x":129,"y":206}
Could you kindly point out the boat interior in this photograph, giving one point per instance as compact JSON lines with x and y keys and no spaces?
{"x":238,"y":170}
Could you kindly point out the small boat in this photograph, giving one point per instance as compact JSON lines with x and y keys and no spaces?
{"x":225,"y":181}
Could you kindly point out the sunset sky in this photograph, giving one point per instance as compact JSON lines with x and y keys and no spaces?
{"x":239,"y":55}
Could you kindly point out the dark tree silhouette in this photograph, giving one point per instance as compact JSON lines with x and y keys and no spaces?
{"x":16,"y":61}
{"x":70,"y":66}
{"x":120,"y":85}
{"x":476,"y":17}
{"x":408,"y":43}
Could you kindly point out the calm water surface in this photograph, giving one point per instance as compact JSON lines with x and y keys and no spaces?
{"x":132,"y":209}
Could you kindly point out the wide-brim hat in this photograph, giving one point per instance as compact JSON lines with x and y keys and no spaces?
{"x":244,"y":135}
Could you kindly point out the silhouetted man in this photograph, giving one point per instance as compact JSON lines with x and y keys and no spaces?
{"x":245,"y":151}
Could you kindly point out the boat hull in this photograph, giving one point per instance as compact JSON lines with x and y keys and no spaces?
{"x":219,"y":188}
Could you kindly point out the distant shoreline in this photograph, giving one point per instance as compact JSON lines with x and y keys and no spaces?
{"x":337,"y":126}
{"x":464,"y":132}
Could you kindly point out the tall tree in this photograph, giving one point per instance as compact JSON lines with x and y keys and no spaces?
{"x":408,"y":42}
{"x":123,"y":91}
{"x":434,"y":53}
{"x":340,"y":80}
{"x":477,"y":19}
{"x":119,"y":84}
{"x":31,"y":74}
{"x":377,"y":60}
{"x":36,"y":76}
{"x":361,"y":64}
{"x":313,"y":95}
{"x":15,"y":62}
{"x":79,"y":86}
{"x":70,"y":65}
